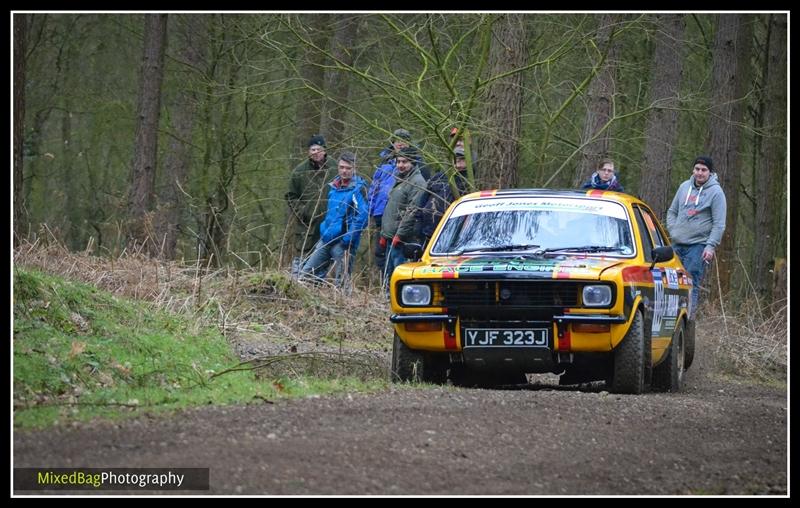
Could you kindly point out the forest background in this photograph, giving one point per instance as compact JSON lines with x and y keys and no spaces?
{"x":174,"y":134}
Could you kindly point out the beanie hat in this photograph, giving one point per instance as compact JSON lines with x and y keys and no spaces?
{"x":317,"y":139}
{"x":706,"y":160}
{"x":407,"y":152}
{"x":402,"y":134}
{"x":348,"y":157}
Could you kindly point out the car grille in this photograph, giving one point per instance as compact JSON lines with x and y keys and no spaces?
{"x":511,"y":294}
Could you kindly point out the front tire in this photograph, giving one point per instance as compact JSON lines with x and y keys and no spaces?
{"x":407,"y":364}
{"x":629,"y":371}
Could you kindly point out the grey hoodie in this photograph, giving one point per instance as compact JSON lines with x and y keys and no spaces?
{"x":697,"y":214}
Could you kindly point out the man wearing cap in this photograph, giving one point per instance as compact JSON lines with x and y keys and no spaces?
{"x":398,"y":216}
{"x":696,"y":221}
{"x":307,"y":199}
{"x":345,"y":219}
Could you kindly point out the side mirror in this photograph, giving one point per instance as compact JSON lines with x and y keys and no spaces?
{"x":661,"y":254}
{"x":412,"y":251}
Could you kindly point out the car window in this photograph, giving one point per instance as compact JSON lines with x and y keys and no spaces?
{"x":645,"y":233}
{"x":537,"y":223}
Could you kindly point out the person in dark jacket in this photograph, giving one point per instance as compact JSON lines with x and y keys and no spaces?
{"x":604,"y":178}
{"x":398,"y":218}
{"x":306,"y":197}
{"x":382,"y":183}
{"x":438,"y":196}
{"x":340,"y":231}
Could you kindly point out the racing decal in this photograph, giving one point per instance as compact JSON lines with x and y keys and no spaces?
{"x":576,"y":205}
{"x":672,"y":278}
{"x":558,"y":269}
{"x":666,"y":302}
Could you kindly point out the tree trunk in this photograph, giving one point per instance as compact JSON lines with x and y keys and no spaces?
{"x":20,"y":48}
{"x":600,"y":100}
{"x":192,"y":40}
{"x":772,"y":182}
{"x":313,"y":76}
{"x":499,"y":142}
{"x":140,"y":197}
{"x":661,"y":132}
{"x":732,"y":45}
{"x":337,"y":83}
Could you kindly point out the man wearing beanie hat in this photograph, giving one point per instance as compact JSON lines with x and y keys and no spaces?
{"x":307,"y":199}
{"x":696,"y":221}
{"x":398,"y":225}
{"x":382,"y":183}
{"x":345,"y":219}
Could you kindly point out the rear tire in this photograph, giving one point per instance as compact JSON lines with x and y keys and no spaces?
{"x":668,"y":375}
{"x":688,"y":347}
{"x":629,"y":372}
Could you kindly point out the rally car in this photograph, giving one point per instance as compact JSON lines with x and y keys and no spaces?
{"x":583,"y":284}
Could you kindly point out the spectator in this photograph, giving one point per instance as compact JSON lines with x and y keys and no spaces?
{"x":398,"y":217}
{"x":696,"y":222}
{"x":307,"y":198}
{"x":604,"y":178}
{"x":345,"y":219}
{"x":438,"y":196}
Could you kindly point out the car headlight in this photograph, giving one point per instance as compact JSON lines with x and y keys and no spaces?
{"x":415,"y":294}
{"x":596,"y":296}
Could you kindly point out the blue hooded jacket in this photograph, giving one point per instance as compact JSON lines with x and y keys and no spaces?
{"x":347,"y":212}
{"x":382,"y":183}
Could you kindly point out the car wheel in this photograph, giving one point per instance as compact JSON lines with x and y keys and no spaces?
{"x":688,"y":345}
{"x":407,"y":364}
{"x":629,"y":371}
{"x":668,"y":375}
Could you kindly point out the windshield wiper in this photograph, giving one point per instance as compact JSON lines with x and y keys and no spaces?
{"x":499,"y":248}
{"x":583,"y":248}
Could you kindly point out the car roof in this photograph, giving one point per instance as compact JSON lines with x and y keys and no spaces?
{"x":564,"y":193}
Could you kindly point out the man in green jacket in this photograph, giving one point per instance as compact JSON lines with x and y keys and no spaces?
{"x":308,"y":199}
{"x":398,"y":226}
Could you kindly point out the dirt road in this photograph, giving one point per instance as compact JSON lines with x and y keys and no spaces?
{"x":717,"y":437}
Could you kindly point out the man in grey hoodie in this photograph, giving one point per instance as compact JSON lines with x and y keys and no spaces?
{"x":696,"y":221}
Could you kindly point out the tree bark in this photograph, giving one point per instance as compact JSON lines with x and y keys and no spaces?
{"x":661,"y":132}
{"x":192,"y":40}
{"x":313,"y":76}
{"x":499,"y":142}
{"x":600,"y":100}
{"x":337,"y":83}
{"x":140,"y":197}
{"x":20,"y":48}
{"x":732,"y":45}
{"x":772,"y":181}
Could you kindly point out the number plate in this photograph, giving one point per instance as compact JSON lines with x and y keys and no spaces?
{"x":506,"y":337}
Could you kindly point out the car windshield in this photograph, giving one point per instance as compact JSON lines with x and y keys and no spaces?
{"x":536,"y":224}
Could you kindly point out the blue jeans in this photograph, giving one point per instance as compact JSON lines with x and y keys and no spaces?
{"x":692,"y":258}
{"x":394,"y":258}
{"x":326,"y":253}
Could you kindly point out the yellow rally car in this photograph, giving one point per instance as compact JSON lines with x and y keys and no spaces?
{"x":581,"y":284}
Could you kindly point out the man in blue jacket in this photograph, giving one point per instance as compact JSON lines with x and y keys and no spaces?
{"x":340,"y":231}
{"x":696,"y":221}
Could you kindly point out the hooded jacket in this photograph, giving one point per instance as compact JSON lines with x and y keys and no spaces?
{"x":697,"y":214}
{"x":399,"y":215}
{"x":347,"y":212}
